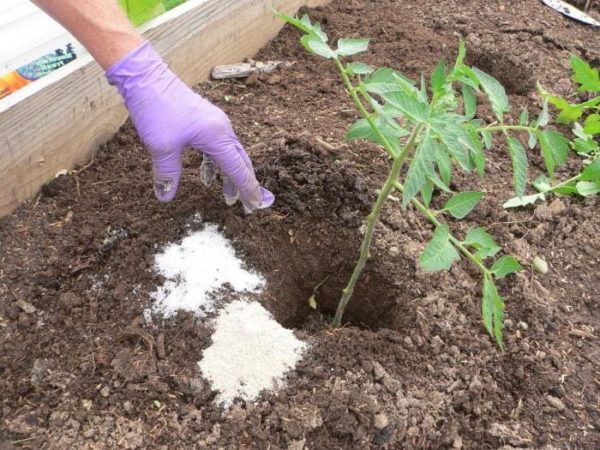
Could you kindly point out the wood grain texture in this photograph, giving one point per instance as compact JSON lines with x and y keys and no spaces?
{"x":62,"y":120}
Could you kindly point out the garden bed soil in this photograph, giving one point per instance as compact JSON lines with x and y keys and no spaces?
{"x":412,"y":368}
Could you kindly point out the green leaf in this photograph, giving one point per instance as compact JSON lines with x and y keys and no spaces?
{"x":427,"y":192}
{"x":304,"y":24}
{"x":361,"y":129}
{"x":461,"y":204}
{"x":555,"y":149}
{"x":542,"y":184}
{"x":592,"y":124}
{"x":591,"y":172}
{"x":505,"y":266}
{"x":408,"y":106}
{"x":586,"y":76}
{"x":488,"y":139}
{"x":532,"y":141}
{"x":359,"y":68}
{"x":317,"y":46}
{"x":544,"y":117}
{"x":456,"y":139}
{"x":469,"y":99}
{"x":439,"y":254}
{"x":444,"y":163}
{"x":519,"y":162}
{"x":482,"y":241}
{"x":386,"y":80}
{"x":516,"y":202}
{"x":492,"y":309}
{"x":585,"y":146}
{"x":475,"y":149}
{"x":438,"y":79}
{"x":420,"y":170}
{"x":587,"y":188}
{"x":569,"y":115}
{"x":349,"y":47}
{"x":495,"y":92}
{"x":524,"y":118}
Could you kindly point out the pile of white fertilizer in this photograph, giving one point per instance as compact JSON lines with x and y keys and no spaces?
{"x":196,"y":269}
{"x":250,"y":351}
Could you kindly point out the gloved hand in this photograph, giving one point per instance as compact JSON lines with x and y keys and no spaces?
{"x":169,"y":116}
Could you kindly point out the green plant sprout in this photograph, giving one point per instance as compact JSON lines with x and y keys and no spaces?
{"x":432,"y":136}
{"x":585,"y":144}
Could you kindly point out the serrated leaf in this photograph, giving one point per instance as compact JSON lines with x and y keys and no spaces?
{"x":585,"y":146}
{"x":461,"y":204}
{"x":359,"y":68}
{"x":592,"y":124}
{"x":532,"y":141}
{"x":505,"y":266}
{"x":568,"y":189}
{"x":349,"y":47}
{"x":586,"y":76}
{"x":544,"y":117}
{"x":438,"y":79}
{"x":475,"y":149}
{"x":542,"y":184}
{"x":421,"y":168}
{"x":469,"y":99}
{"x":482,"y":241}
{"x":455,"y":138}
{"x":444,"y":164}
{"x":519,"y":162}
{"x":427,"y":192}
{"x":492,"y":309}
{"x":304,"y":24}
{"x":587,"y":188}
{"x":524,"y":118}
{"x":495,"y":92}
{"x":591,"y":172}
{"x":516,"y":202}
{"x":488,"y":139}
{"x":555,"y":149}
{"x":385,"y":80}
{"x":317,"y":46}
{"x":439,"y":254}
{"x":361,"y":129}
{"x":410,"y":107}
{"x":569,"y":115}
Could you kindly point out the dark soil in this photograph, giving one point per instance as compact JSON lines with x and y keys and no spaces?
{"x":80,"y":368}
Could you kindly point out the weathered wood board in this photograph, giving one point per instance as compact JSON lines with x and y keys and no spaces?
{"x":57,"y":122}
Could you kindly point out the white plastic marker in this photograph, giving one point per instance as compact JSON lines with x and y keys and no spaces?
{"x":250,"y":352}
{"x":572,"y":12}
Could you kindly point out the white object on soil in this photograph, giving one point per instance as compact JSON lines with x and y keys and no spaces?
{"x":196,"y":269}
{"x":250,"y":352}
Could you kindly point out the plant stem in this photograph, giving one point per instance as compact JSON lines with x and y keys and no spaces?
{"x":430,"y":215}
{"x":381,"y":197}
{"x":371,"y":221}
{"x":507,"y":127}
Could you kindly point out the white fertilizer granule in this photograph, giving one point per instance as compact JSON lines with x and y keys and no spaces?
{"x":204,"y":262}
{"x":250,"y":352}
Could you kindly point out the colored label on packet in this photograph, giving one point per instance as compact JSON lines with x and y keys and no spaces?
{"x":15,"y":80}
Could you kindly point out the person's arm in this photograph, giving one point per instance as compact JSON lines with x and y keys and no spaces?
{"x":167,"y":114}
{"x":100,"y":25}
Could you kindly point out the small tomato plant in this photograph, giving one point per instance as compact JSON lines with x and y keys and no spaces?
{"x":433,"y":136}
{"x":585,"y":119}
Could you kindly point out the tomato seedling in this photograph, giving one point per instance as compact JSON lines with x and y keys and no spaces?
{"x":434,"y":131}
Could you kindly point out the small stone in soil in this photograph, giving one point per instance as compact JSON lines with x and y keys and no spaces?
{"x":381,"y":421}
{"x":555,"y":402}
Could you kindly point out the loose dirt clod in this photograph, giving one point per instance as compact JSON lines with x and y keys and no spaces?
{"x":250,"y":352}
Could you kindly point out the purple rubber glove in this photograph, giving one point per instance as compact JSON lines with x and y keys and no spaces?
{"x":169,"y":116}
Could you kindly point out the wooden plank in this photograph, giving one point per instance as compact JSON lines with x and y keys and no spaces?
{"x":57,"y":122}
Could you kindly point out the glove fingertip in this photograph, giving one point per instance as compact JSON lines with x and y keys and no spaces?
{"x":165,"y":190}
